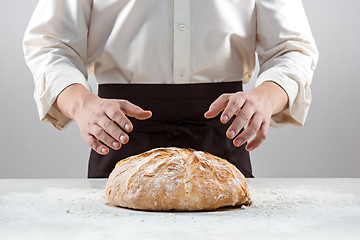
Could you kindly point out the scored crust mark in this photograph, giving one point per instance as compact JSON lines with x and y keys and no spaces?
{"x":187,"y":181}
{"x":173,"y":178}
{"x":160,"y":176}
{"x":210,"y":175}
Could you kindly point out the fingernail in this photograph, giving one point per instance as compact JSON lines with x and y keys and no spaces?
{"x":231,"y":133}
{"x":238,"y":142}
{"x":225,"y":118}
{"x":116,"y":145}
{"x":122,"y":138}
{"x":250,"y":148}
{"x":103,"y":150}
{"x":127,"y":127}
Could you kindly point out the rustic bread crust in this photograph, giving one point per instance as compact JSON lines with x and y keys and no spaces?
{"x":165,"y":179}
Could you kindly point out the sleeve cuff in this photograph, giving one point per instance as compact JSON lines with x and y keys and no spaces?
{"x":52,"y":84}
{"x":291,"y":88}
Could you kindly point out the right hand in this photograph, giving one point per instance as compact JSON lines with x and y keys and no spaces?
{"x":102,"y":122}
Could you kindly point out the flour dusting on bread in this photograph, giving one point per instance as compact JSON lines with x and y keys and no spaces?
{"x":164,"y":179}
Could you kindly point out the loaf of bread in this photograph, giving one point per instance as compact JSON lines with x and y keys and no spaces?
{"x":166,"y":179}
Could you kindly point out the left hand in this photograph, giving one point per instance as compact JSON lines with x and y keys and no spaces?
{"x":253,"y":108}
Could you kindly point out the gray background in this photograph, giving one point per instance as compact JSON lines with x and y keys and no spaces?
{"x":327,"y":146}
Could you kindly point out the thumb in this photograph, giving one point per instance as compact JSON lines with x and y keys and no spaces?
{"x":135,"y":111}
{"x":217,"y":106}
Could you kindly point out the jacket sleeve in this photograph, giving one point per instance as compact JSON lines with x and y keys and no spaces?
{"x":287,"y":55}
{"x":55,"y":48}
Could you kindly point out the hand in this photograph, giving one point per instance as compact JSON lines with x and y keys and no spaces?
{"x":102,"y":122}
{"x":253,"y":108}
{"x":105,"y":120}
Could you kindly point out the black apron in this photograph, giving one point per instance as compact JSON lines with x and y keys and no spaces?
{"x":177,"y":121}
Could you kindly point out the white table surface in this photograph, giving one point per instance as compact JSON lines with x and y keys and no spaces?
{"x":282,"y":209}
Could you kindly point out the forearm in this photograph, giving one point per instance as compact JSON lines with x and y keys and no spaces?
{"x":72,"y":98}
{"x":273,"y":95}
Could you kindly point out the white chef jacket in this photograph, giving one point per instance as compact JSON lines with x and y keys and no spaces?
{"x":170,"y":42}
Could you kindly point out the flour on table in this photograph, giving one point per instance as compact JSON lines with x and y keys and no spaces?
{"x":274,"y":209}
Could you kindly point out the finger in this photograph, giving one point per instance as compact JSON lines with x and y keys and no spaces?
{"x":236,"y":102}
{"x":96,"y":145}
{"x":116,"y":115}
{"x":260,"y":137}
{"x":252,"y":128}
{"x":217,"y":106}
{"x":101,"y":135}
{"x":240,"y":121}
{"x":113,"y":130}
{"x":134,"y":111}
